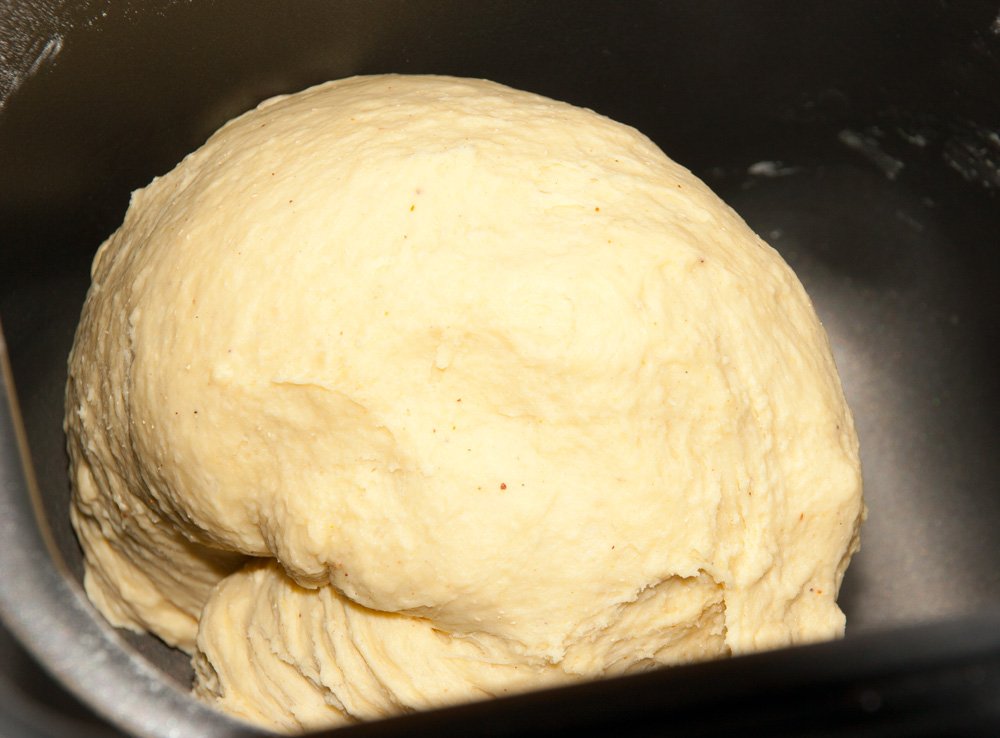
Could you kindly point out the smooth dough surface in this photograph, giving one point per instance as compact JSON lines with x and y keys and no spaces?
{"x":404,"y":391}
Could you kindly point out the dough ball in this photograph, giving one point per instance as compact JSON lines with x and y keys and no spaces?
{"x":404,"y":391}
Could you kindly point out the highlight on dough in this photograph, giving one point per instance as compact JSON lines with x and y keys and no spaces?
{"x":404,"y":391}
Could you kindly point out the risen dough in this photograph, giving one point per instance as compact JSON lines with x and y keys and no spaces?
{"x":501,"y":395}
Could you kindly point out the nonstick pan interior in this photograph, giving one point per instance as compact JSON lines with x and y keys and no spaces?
{"x":861,"y":140}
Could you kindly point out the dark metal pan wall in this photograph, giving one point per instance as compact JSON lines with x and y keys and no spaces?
{"x":860,"y":139}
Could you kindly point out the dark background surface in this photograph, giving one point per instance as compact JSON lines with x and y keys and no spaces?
{"x":860,"y":139}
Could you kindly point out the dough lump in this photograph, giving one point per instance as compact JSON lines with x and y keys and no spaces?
{"x":408,"y":390}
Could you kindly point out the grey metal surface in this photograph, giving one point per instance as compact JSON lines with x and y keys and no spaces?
{"x":863,"y":144}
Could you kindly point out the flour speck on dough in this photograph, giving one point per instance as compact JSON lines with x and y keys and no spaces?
{"x":406,"y":391}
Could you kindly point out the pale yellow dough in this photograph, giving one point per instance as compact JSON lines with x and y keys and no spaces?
{"x":405,"y":391}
